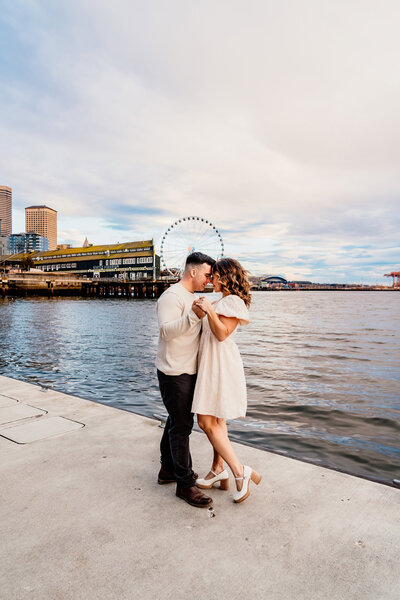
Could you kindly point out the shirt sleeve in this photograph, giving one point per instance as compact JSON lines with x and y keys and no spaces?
{"x":233,"y":306}
{"x":171,"y":322}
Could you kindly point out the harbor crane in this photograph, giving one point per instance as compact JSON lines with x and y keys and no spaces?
{"x":396,"y":278}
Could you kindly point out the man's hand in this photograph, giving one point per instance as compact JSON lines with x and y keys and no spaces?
{"x":197,"y":310}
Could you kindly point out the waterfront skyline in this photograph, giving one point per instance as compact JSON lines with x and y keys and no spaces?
{"x":277,"y":123}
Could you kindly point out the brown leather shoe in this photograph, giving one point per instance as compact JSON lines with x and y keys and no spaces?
{"x":165,"y":476}
{"x":193,"y":496}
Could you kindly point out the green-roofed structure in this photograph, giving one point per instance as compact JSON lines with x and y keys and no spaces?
{"x":128,"y":261}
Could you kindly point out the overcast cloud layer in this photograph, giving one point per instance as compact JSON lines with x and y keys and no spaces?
{"x":278,"y":121}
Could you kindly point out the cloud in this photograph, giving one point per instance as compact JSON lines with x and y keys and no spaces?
{"x":279,"y":122}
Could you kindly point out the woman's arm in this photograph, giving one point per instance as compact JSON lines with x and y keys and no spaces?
{"x":221,"y":326}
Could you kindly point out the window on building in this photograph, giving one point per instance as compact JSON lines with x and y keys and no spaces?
{"x":146,"y":260}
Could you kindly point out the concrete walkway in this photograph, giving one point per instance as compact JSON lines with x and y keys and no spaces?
{"x":82,"y":517}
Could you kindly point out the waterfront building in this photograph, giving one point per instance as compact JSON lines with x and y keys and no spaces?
{"x":27,"y":242}
{"x":272,"y":281}
{"x":5,"y":210}
{"x":42,"y":220}
{"x":3,"y":245}
{"x":300,"y":284}
{"x":131,"y":260}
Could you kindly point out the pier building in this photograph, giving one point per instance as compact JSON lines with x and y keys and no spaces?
{"x":131,"y":260}
{"x":42,"y":220}
{"x":5,"y":210}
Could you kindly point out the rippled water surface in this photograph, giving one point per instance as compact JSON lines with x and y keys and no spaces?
{"x":322,"y":368}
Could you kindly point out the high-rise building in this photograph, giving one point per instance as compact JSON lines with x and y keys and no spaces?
{"x":42,"y":220}
{"x":27,"y":242}
{"x":3,"y":245}
{"x":5,"y":210}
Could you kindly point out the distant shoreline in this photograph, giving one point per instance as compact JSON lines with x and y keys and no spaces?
{"x":326,"y":289}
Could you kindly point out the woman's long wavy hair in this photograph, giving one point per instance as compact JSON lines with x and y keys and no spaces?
{"x":233,"y":278}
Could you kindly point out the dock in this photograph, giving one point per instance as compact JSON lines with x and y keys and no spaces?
{"x":83,"y":518}
{"x":61,"y":284}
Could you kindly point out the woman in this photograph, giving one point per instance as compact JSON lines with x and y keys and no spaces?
{"x":220,"y":391}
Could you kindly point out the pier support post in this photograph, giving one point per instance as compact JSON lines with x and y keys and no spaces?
{"x":50,"y":286}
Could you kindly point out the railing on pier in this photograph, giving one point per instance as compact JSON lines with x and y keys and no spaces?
{"x":124,"y":289}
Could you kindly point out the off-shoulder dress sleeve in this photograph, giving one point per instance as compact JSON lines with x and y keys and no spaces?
{"x":233,"y":306}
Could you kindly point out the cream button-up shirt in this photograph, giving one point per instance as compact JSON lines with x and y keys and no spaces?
{"x":180,"y":328}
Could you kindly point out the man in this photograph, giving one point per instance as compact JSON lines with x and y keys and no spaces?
{"x":180,"y":324}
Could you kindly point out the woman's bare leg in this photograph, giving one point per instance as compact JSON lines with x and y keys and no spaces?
{"x":218,"y":464}
{"x":217,"y":433}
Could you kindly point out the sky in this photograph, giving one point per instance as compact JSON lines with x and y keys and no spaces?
{"x":277,"y":121}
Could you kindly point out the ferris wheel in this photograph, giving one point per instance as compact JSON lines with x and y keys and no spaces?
{"x":187,"y":235}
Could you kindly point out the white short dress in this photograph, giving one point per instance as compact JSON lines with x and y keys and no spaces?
{"x":221,"y":386}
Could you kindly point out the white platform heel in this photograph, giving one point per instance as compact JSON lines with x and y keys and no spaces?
{"x":248,"y":474}
{"x":206,"y":484}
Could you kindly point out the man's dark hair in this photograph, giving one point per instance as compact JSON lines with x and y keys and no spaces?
{"x":198,"y":258}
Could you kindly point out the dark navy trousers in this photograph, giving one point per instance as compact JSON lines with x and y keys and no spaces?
{"x":177,"y":395}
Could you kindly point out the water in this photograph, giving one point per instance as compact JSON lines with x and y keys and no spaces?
{"x":322,"y":368}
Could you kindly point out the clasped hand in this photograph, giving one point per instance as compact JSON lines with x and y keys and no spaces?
{"x":197,"y":310}
{"x":203,"y":304}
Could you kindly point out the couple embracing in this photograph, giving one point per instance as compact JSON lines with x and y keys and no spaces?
{"x":200,"y":371}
